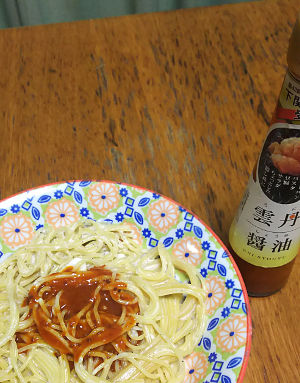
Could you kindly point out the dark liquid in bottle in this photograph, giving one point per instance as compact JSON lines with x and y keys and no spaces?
{"x":261,"y":281}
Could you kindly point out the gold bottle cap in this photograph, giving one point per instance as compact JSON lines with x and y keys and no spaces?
{"x":293,"y":56}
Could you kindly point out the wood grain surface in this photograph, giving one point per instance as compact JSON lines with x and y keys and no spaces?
{"x":178,"y":102}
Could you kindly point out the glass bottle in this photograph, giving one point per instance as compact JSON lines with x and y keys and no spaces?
{"x":264,"y":236}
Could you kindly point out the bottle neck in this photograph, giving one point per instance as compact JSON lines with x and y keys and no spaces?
{"x":288,"y":107}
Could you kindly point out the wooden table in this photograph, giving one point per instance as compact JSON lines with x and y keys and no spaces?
{"x":178,"y":102}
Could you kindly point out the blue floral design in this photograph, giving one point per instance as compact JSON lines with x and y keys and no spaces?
{"x":181,"y":209}
{"x":123,"y":192}
{"x":203,"y":272}
{"x":179,"y":233}
{"x":155,"y":196}
{"x":212,"y":357}
{"x":199,"y":344}
{"x":225,"y":312}
{"x":229,"y":283}
{"x":58,"y":194}
{"x":15,"y":209}
{"x":84,"y":212}
{"x":205,"y":245}
{"x":119,"y":217}
{"x":146,"y":233}
{"x":39,"y":226}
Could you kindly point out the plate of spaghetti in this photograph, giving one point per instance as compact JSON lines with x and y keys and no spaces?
{"x":108,"y":282}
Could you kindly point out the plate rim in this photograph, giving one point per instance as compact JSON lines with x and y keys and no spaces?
{"x":236,"y":269}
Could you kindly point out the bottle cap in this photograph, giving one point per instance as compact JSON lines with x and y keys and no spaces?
{"x":293,"y":56}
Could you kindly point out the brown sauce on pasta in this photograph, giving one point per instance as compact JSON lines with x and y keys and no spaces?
{"x":80,"y":313}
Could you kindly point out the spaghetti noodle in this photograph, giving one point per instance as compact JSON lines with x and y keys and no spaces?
{"x":85,"y":303}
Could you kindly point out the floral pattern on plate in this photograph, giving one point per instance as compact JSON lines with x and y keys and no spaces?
{"x":16,"y":230}
{"x":189,"y":250}
{"x":162,"y":215}
{"x":216,"y":293}
{"x":196,"y":366}
{"x":61,"y":213}
{"x":232,"y":333}
{"x":103,"y":197}
{"x":222,"y":353}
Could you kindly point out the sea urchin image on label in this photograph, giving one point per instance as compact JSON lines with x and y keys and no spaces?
{"x":279,"y":164}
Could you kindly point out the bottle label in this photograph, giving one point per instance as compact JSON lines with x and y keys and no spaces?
{"x":288,"y":108}
{"x":266,"y":229}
